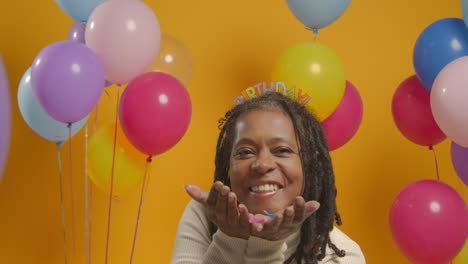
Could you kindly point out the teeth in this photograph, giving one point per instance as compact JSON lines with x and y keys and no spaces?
{"x":265,"y":188}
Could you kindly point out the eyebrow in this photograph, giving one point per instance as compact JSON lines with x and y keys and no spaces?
{"x":249,"y":141}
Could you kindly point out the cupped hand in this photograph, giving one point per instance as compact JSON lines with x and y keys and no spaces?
{"x":222,"y":208}
{"x":285,"y":222}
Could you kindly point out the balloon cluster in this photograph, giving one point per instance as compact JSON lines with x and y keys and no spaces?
{"x":110,"y":42}
{"x":427,"y":108}
{"x":315,"y":70}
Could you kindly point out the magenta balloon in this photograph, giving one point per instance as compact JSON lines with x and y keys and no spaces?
{"x":411,"y":109}
{"x":155,"y":112}
{"x":429,"y":222}
{"x":344,"y":122}
{"x":67,"y":78}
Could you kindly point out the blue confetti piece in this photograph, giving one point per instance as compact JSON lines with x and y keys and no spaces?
{"x":272,"y":216}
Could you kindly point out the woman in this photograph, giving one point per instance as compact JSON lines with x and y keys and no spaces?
{"x":273,"y":200}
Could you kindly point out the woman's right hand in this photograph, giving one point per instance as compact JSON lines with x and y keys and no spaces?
{"x":222,"y":208}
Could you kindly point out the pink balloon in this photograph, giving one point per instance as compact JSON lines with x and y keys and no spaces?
{"x":429,"y":222}
{"x":126,"y":37}
{"x":412,"y":113}
{"x":344,"y":122}
{"x":449,"y":102}
{"x":155,"y":112}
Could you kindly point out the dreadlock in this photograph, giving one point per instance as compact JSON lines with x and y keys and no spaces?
{"x":319,"y":181}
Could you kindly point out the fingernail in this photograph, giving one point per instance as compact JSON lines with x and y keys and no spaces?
{"x":187,"y":186}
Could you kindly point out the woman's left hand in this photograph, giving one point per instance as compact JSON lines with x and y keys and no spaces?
{"x":285,"y":222}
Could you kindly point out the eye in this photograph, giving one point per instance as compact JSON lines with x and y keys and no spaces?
{"x":244,"y":153}
{"x":283,"y":151}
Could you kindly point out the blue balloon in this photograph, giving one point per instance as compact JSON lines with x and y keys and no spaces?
{"x":316,"y":14}
{"x":439,"y":44}
{"x":38,"y":119}
{"x":80,"y":10}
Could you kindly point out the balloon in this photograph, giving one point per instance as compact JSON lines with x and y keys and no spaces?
{"x":462,"y":257}
{"x":448,"y":101}
{"x":465,"y":11}
{"x":440,"y":43}
{"x":316,"y":70}
{"x":77,"y":32}
{"x":129,"y":162}
{"x":37,"y":118}
{"x":341,"y":126}
{"x":68,"y":79}
{"x":316,"y":14}
{"x":411,"y":109}
{"x":126,"y":37}
{"x":155,"y":112}
{"x":175,"y":59}
{"x":459,"y":157}
{"x":429,"y":222}
{"x":5,"y":117}
{"x":79,"y":10}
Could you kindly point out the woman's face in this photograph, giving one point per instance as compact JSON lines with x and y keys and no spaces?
{"x":265,"y":166}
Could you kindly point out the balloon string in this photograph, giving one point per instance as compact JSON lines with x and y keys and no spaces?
{"x":111,"y":192}
{"x":87,"y":249}
{"x":436,"y":163}
{"x":90,"y":219}
{"x":72,"y":196}
{"x":142,"y":196}
{"x":62,"y":208}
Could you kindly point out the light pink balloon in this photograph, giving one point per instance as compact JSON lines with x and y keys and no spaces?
{"x":344,"y":122}
{"x":449,"y":100}
{"x":126,"y":37}
{"x":429,"y":222}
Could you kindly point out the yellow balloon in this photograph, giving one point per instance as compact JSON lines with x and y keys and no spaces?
{"x":462,"y":257}
{"x":129,"y":163}
{"x":316,"y":74}
{"x":175,"y":59}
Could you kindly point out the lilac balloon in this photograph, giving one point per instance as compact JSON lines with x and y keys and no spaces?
{"x":459,"y":156}
{"x":67,"y":78}
{"x":77,"y":32}
{"x":5,"y":117}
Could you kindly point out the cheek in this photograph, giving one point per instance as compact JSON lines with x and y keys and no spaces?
{"x":237,"y":178}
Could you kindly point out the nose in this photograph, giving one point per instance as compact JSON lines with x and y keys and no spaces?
{"x":264,"y":163}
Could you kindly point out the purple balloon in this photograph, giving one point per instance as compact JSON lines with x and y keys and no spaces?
{"x":77,"y":32}
{"x":459,"y":156}
{"x":5,"y":117}
{"x":67,"y":78}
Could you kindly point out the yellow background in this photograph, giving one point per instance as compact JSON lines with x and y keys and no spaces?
{"x":234,"y":45}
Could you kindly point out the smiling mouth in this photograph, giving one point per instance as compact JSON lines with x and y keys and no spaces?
{"x":265,"y":189}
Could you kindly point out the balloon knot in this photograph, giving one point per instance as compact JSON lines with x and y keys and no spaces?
{"x":149,"y":159}
{"x":430,"y":147}
{"x":69,"y":125}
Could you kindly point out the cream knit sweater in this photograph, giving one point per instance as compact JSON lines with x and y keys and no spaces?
{"x":194,"y":245}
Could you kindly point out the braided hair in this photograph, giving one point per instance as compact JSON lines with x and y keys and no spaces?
{"x":319,"y":181}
